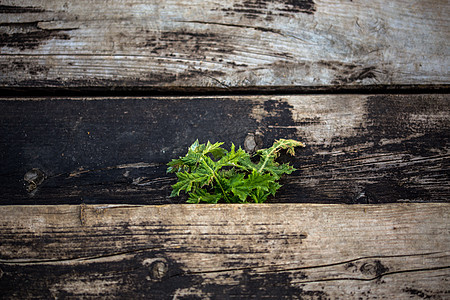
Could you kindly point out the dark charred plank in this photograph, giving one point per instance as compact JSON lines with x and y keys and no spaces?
{"x":360,"y":148}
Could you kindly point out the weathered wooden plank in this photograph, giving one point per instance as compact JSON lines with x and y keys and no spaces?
{"x":223,"y":44}
{"x":276,"y":251}
{"x":360,"y":148}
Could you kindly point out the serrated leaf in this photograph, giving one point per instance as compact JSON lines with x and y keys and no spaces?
{"x":209,"y":173}
{"x":227,"y":173}
{"x":238,"y":186}
{"x":214,"y":149}
{"x":187,"y":180}
{"x":231,"y":159}
{"x":245,"y":163}
{"x":243,"y":186}
{"x":202,"y":195}
{"x":276,"y":169}
{"x":194,"y":146}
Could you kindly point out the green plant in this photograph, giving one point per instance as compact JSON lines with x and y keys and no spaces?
{"x":210,"y":173}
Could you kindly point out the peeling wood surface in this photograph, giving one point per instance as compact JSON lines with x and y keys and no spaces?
{"x":360,"y":148}
{"x":231,"y":44}
{"x":276,"y":251}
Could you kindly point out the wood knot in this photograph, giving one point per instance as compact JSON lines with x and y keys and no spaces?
{"x":253,"y":142}
{"x":33,"y":179}
{"x":158,"y":269}
{"x":375,"y":268}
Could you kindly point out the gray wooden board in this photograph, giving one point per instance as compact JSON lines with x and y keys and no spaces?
{"x":276,"y":251}
{"x":223,"y":44}
{"x":359,"y":148}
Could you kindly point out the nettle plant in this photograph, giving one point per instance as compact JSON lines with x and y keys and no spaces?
{"x":210,"y":173}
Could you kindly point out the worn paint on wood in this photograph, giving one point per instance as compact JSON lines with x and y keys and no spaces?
{"x":360,"y":148}
{"x":396,"y":251}
{"x":223,"y":44}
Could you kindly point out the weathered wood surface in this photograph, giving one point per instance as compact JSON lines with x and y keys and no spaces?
{"x":223,"y":44}
{"x":360,"y":148}
{"x":276,"y":251}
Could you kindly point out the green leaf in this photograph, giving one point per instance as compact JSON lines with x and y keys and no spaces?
{"x":215,"y":149}
{"x":209,"y":173}
{"x":242,"y":187}
{"x":245,"y":163}
{"x":259,"y":196}
{"x":280,"y":144}
{"x":187,"y":180}
{"x":276,"y":169}
{"x":232,"y":158}
{"x":194,"y":146}
{"x":238,"y":187}
{"x":202,"y":195}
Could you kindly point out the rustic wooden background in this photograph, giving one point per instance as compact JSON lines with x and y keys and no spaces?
{"x":97,"y":96}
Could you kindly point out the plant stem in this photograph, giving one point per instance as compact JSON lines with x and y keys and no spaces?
{"x":217,"y":179}
{"x":266,"y":160}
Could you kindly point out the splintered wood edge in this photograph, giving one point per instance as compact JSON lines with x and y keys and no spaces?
{"x":271,"y":250}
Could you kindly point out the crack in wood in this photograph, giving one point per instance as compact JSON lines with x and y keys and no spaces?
{"x":373,"y":278}
{"x":82,"y":215}
{"x":399,"y":160}
{"x":258,"y":28}
{"x":121,"y":166}
{"x":14,"y":9}
{"x":74,"y":260}
{"x":312,"y":267}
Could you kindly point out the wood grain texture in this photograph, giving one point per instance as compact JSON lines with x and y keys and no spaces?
{"x":276,"y":251}
{"x":360,"y":148}
{"x":223,"y":44}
